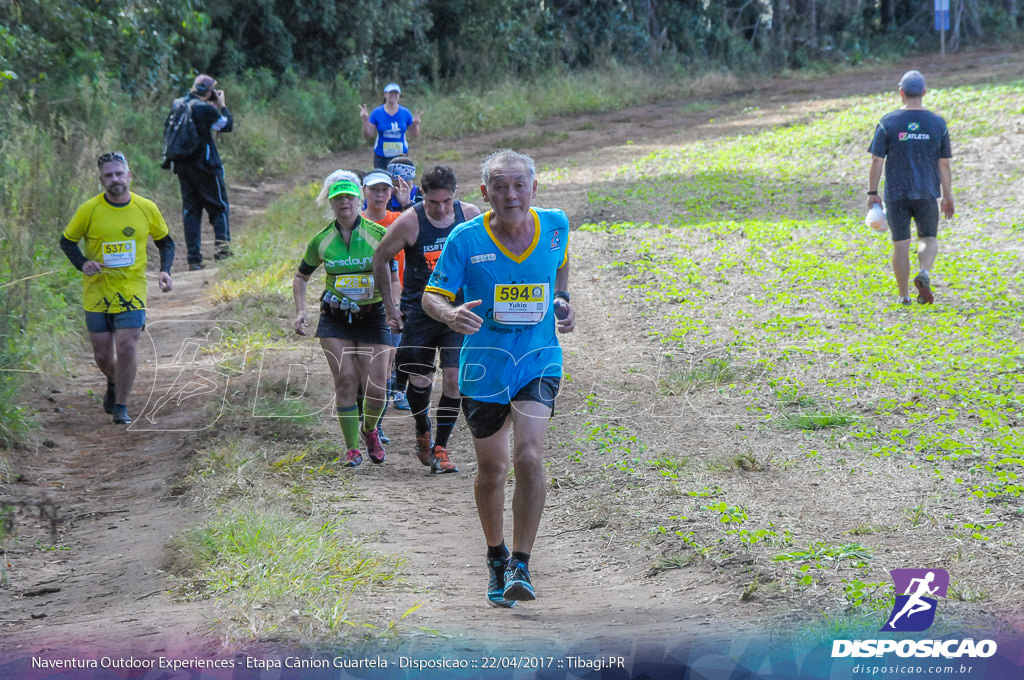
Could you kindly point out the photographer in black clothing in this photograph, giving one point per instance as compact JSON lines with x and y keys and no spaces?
{"x":201,"y":177}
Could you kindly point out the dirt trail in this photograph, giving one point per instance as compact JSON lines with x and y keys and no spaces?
{"x":95,"y":507}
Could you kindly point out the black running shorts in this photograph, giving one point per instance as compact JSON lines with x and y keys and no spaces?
{"x":486,"y":418}
{"x":422,"y":338}
{"x":369,"y":327}
{"x":925,"y":212}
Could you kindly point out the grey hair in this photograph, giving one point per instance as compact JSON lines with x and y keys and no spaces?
{"x":503,"y":158}
{"x":336,"y":176}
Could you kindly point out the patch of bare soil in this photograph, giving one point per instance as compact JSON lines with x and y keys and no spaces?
{"x":95,"y":505}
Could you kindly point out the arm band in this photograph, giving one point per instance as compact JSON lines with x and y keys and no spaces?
{"x":73,"y":252}
{"x":166,"y":248}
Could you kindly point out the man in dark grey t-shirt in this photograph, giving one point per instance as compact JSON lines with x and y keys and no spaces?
{"x":912,"y":143}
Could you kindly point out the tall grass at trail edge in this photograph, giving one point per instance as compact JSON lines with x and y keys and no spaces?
{"x":268,"y":256}
{"x":276,"y":557}
{"x":265,"y":569}
{"x":37,"y":285}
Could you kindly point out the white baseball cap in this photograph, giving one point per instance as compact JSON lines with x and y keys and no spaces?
{"x":377,"y":177}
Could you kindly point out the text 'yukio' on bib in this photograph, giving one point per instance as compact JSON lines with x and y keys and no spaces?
{"x":355,"y":287}
{"x":520,"y":303}
{"x":119,"y":254}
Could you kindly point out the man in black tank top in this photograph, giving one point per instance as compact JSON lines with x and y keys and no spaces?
{"x":421,"y":231}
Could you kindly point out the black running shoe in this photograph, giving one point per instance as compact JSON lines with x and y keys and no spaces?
{"x":496,"y":583}
{"x":517,"y":582}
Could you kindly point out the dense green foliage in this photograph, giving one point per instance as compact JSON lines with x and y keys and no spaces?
{"x":442,"y":43}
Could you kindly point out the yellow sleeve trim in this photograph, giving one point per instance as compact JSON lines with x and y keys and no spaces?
{"x":440,"y":291}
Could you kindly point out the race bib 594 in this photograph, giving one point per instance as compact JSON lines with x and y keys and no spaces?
{"x":520,"y":303}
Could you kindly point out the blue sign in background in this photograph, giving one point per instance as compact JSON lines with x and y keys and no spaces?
{"x":941,"y":15}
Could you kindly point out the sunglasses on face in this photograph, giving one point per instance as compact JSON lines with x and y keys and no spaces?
{"x":112,"y":157}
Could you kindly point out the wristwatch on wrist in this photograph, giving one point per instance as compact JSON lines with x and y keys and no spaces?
{"x":872,"y":193}
{"x":564,"y":294}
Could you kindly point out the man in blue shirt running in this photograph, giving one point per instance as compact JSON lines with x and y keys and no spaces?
{"x":512,"y":264}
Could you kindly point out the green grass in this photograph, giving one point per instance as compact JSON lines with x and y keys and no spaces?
{"x":256,"y":284}
{"x":263,"y":569}
{"x":277,"y":559}
{"x":708,"y":372}
{"x":671,"y":562}
{"x":818,"y":421}
{"x":16,"y":424}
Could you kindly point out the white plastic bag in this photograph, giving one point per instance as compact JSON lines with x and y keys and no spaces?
{"x":876,"y":218}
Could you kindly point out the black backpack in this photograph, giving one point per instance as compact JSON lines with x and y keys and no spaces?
{"x":181,"y":138}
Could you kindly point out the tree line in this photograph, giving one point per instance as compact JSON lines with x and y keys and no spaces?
{"x":44,"y":45}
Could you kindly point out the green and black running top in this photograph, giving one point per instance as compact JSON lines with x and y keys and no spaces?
{"x":349,"y":267}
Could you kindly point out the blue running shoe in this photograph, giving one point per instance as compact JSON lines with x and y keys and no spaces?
{"x":517,"y":582}
{"x":120,"y":412}
{"x":496,"y":583}
{"x":400,"y":402}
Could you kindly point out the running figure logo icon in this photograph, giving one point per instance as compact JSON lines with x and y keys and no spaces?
{"x":914,"y":610}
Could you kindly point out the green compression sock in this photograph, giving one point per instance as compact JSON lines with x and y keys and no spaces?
{"x":348,"y":418}
{"x":371,"y":415}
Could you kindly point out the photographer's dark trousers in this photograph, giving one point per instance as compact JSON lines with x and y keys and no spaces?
{"x":203,"y":190}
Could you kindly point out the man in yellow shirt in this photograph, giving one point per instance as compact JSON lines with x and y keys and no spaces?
{"x":115,"y":226}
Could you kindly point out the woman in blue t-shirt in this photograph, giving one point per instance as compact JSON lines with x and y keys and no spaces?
{"x":390,"y":125}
